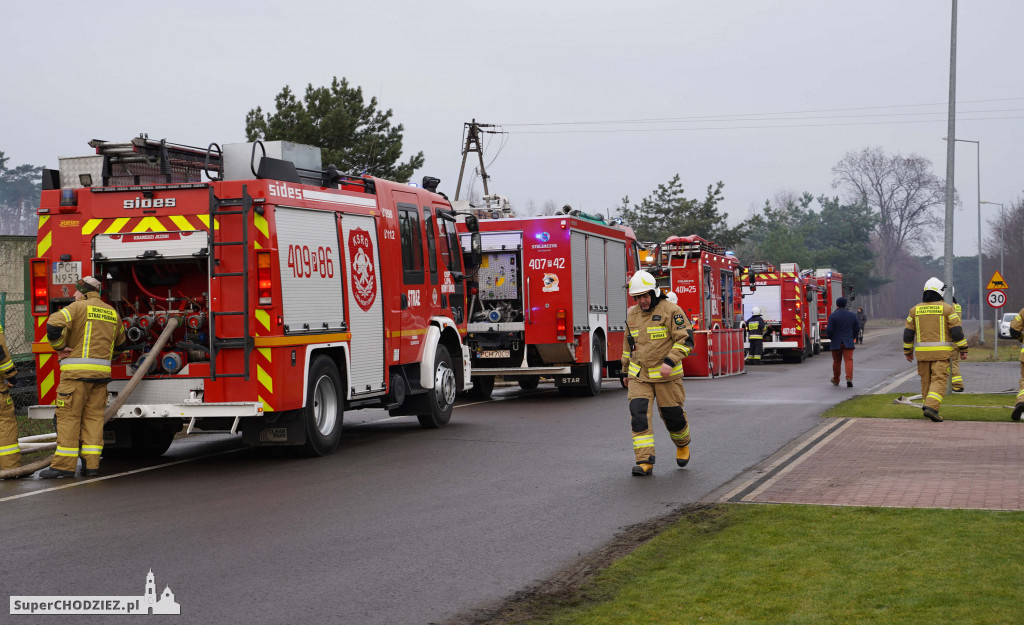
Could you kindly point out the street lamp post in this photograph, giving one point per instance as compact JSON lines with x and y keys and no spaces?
{"x":995,"y":325}
{"x":977,"y":144}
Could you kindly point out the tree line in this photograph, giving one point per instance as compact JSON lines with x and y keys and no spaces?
{"x":875,"y":229}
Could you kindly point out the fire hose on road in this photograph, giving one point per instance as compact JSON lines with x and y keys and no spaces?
{"x":108,"y":414}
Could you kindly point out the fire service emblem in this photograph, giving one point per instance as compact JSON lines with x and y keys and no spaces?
{"x":364,"y":274}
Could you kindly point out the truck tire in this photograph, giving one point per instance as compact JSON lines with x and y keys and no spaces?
{"x":483,"y":386}
{"x":441,"y":398}
{"x":529,"y":383}
{"x":596,"y":369}
{"x":324,"y":410}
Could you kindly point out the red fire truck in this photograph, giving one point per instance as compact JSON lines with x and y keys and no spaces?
{"x":830,"y":287}
{"x":549,"y":299}
{"x":787,"y":300}
{"x":706,"y":282}
{"x":301,"y":292}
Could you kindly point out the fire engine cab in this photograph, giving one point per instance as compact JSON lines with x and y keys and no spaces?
{"x":549,"y":299}
{"x":706,"y":282}
{"x":787,"y":300}
{"x":301,"y":292}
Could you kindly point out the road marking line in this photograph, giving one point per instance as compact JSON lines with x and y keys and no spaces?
{"x":900,"y":380}
{"x":82,"y":482}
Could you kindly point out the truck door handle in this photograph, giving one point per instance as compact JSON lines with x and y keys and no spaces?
{"x":405,"y":301}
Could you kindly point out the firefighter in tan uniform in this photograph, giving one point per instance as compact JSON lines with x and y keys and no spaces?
{"x":10,"y":453}
{"x":935,"y":326}
{"x":659,"y":338}
{"x":1017,"y":332}
{"x":85,"y":334}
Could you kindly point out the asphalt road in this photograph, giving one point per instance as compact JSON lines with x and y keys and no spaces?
{"x":401,"y":525}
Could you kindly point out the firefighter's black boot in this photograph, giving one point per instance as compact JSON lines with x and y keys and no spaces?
{"x":683,"y":455}
{"x":86,"y":471}
{"x":50,"y":473}
{"x":932,"y":414}
{"x":1018,"y":411}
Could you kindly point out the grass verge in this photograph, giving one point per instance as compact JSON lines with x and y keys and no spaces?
{"x":744,"y":563}
{"x":955,"y":407}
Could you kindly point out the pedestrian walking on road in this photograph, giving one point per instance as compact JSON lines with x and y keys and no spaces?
{"x":933,"y":333}
{"x":86,"y":334}
{"x":660,"y":336}
{"x":862,"y":321}
{"x":842,"y":332}
{"x":1017,"y":332}
{"x":10,"y":452}
{"x":755,"y":335}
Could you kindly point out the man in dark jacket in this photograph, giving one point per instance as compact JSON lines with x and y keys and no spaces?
{"x":862,"y":319}
{"x":842,"y":330}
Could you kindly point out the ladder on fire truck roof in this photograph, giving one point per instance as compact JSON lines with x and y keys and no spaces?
{"x":148,"y":161}
{"x":242,"y":206}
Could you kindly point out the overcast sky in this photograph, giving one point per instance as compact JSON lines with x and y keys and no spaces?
{"x":764,"y":96}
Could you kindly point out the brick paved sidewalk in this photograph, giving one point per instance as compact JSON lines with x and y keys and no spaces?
{"x":911,"y":463}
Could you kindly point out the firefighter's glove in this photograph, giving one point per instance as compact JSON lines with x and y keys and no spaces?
{"x":909,"y":356}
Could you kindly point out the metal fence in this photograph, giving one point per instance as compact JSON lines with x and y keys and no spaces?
{"x":19,"y":343}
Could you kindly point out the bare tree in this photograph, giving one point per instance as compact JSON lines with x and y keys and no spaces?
{"x":550,"y":208}
{"x":903,"y":190}
{"x":1005,"y":248}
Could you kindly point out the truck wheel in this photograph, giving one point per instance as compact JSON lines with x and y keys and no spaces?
{"x":483,"y":385}
{"x":529,"y":383}
{"x":324,"y":410}
{"x":593,"y":387}
{"x":441,"y":398}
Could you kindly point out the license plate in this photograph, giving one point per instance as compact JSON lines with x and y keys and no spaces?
{"x":65,"y":272}
{"x":495,"y":353}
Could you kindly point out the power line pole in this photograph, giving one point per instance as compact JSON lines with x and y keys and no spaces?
{"x":473,"y":145}
{"x":950,"y":152}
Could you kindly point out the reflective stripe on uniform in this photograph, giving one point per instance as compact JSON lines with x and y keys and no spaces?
{"x":935,"y":396}
{"x":92,"y":450}
{"x":67,"y":316}
{"x":658,"y":332}
{"x":634,"y":369}
{"x":100,"y":368}
{"x":67,"y":451}
{"x":680,"y":435}
{"x":9,"y":449}
{"x":625,"y":354}
{"x":677,"y":369}
{"x":654,"y":372}
{"x":643,"y":441}
{"x":934,"y":347}
{"x":85,"y":364}
{"x":7,"y":366}
{"x":756,"y":337}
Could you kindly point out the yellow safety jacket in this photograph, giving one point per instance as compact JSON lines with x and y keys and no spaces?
{"x":7,"y":368}
{"x":1017,"y":330}
{"x":93,"y":331}
{"x":661,"y":336}
{"x":933,"y":332}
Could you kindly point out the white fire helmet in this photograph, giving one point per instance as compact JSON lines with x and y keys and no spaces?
{"x":672,"y":297}
{"x":642,"y":282}
{"x":756,"y":310}
{"x":934,"y":284}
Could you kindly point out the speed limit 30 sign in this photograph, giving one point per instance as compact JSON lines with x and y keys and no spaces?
{"x":996,"y":299}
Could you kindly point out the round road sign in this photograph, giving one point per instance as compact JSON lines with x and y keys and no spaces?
{"x":996,"y":299}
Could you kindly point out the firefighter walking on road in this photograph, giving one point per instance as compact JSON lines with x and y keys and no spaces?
{"x":660,"y":336}
{"x":10,"y":452}
{"x":755,"y":335}
{"x":86,"y":335}
{"x":1017,"y":332}
{"x":932,"y":333}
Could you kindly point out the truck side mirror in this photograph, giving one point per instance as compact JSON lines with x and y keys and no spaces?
{"x":476,"y":248}
{"x":472,"y":224}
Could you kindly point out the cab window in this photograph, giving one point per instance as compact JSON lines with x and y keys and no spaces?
{"x":412,"y":246}
{"x":428,"y":221}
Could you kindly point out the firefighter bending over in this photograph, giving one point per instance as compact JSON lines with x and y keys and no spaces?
{"x":935,"y":327}
{"x":755,"y":335}
{"x":86,"y":334}
{"x":660,"y":336}
{"x":10,"y":452}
